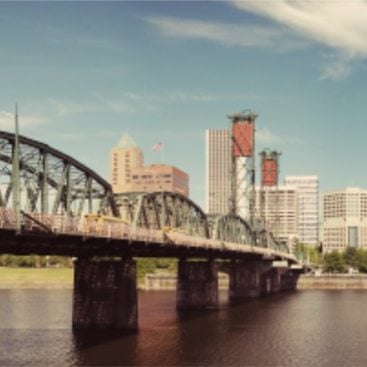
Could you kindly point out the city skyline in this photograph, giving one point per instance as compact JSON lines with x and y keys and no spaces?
{"x":84,"y":73}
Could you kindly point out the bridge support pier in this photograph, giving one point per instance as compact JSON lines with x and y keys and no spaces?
{"x":271,"y":281}
{"x":105,"y":294}
{"x":289,"y":280}
{"x":197,"y":285}
{"x":244,"y":280}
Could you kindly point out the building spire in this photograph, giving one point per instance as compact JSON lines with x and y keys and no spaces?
{"x":126,"y":142}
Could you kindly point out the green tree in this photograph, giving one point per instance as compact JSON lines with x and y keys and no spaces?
{"x":333,"y":262}
{"x":307,"y":253}
{"x":361,"y":260}
{"x":350,"y":257}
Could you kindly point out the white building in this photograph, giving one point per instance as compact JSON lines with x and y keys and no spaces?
{"x":279,"y":210}
{"x":308,"y":207}
{"x":218,"y":171}
{"x":345,"y":219}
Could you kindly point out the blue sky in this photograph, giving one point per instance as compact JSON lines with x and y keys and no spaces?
{"x":84,"y":73}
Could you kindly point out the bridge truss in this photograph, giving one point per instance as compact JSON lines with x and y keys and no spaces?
{"x":163,"y":210}
{"x":50,"y":181}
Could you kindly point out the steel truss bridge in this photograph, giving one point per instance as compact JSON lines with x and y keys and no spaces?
{"x":56,"y":192}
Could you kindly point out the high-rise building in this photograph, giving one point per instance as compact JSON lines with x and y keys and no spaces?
{"x":128,"y":173}
{"x":123,"y":159}
{"x":277,"y":206}
{"x":218,"y":171}
{"x":345,"y":219}
{"x":308,"y":207}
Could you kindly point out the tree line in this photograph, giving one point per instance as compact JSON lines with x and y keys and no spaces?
{"x":334,"y":261}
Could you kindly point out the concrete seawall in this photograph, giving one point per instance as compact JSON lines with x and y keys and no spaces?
{"x":333,"y":281}
{"x":161,"y":282}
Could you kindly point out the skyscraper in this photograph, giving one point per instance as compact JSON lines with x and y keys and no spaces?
{"x":345,"y":219}
{"x":218,"y":168}
{"x":277,"y":206}
{"x":308,"y":207}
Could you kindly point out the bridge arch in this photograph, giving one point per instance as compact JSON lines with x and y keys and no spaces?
{"x":157,"y":210}
{"x":232,"y":228}
{"x":51,"y":181}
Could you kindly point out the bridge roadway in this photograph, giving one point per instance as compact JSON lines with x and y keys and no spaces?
{"x":66,"y":236}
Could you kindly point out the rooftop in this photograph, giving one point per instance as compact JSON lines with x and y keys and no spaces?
{"x":126,"y":142}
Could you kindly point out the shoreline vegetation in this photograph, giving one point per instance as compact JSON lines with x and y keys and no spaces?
{"x":62,"y":278}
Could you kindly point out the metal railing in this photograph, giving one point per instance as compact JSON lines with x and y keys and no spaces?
{"x":63,"y":224}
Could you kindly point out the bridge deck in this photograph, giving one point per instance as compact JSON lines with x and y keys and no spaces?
{"x":62,"y":235}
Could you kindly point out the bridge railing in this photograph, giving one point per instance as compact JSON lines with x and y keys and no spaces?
{"x":7,"y":219}
{"x":63,"y":224}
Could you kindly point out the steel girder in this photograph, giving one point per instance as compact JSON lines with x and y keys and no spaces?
{"x":231,"y":228}
{"x":158,"y":210}
{"x":51,"y":182}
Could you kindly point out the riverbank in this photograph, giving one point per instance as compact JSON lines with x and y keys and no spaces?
{"x":159,"y":282}
{"x":40,"y":278}
{"x":36,"y":278}
{"x":62,"y":278}
{"x":332,"y":281}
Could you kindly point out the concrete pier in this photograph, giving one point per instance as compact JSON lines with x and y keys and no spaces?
{"x":289,"y":280}
{"x":105,"y":295}
{"x":197,"y":285}
{"x":271,"y":281}
{"x":244,"y":280}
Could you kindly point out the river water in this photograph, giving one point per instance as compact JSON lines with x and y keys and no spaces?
{"x":305,"y":328}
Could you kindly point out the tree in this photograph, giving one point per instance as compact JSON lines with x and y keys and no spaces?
{"x":351,"y":257}
{"x":334,"y":262}
{"x":361,"y":263}
{"x":307,"y":253}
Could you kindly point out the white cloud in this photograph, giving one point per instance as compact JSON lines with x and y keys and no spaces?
{"x":226,"y":34}
{"x":27,"y":122}
{"x":62,"y":108}
{"x":95,"y":103}
{"x":337,"y":68}
{"x":181,"y":96}
{"x":81,"y":40}
{"x":264,"y":136}
{"x":338,"y":24}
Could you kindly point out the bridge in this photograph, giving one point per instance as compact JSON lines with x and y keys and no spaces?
{"x":48,"y":206}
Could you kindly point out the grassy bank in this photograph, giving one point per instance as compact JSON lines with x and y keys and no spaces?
{"x":32,"y":277}
{"x":35,"y":278}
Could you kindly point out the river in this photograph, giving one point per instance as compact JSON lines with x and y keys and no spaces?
{"x":304,"y":328}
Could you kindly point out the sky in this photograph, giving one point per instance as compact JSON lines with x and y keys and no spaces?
{"x":84,"y":73}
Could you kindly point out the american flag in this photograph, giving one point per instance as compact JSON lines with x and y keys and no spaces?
{"x":157,"y":147}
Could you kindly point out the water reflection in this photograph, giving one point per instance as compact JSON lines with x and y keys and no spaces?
{"x":323,"y":328}
{"x":104,"y":348}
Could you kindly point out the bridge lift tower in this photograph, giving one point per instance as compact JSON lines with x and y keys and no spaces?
{"x":269,"y":194}
{"x":242,"y":200}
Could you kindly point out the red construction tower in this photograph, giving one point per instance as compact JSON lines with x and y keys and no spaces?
{"x":243,"y":164}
